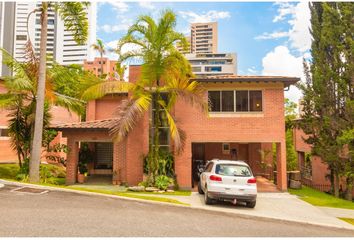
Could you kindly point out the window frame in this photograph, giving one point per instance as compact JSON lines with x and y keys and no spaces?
{"x":4,"y":137}
{"x":235,"y":101}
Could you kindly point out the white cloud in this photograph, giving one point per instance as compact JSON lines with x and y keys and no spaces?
{"x":284,"y":10}
{"x":119,"y":6}
{"x":147,"y":5}
{"x":273,"y":35}
{"x":252,"y":71}
{"x":209,"y":16}
{"x":299,"y":20}
{"x":280,"y":62}
{"x":122,"y":26}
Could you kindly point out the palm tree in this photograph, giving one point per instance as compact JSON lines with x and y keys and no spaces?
{"x":100,"y":48}
{"x":74,"y":17}
{"x":164,"y":71}
{"x":20,"y":98}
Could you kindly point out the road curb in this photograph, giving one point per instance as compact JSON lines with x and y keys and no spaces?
{"x":241,"y":215}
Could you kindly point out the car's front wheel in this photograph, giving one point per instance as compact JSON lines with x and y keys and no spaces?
{"x":207,"y":199}
{"x":200,"y":190}
{"x":251,"y":204}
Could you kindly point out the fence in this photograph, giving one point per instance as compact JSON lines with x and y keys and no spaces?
{"x":319,"y":187}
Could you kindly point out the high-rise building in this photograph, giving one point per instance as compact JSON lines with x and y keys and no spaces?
{"x":204,"y":37}
{"x":60,"y":44}
{"x":207,"y":64}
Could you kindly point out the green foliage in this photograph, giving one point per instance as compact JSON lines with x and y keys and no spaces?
{"x":85,"y":156}
{"x":328,"y":91}
{"x":57,"y":148}
{"x":166,"y":163}
{"x":291,"y":160}
{"x":49,"y":173}
{"x":290,"y":113}
{"x":162,"y":182}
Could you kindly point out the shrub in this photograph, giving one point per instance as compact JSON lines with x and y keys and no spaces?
{"x":162,"y":182}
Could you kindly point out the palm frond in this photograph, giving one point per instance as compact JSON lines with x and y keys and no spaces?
{"x":128,"y":115}
{"x":69,"y":103}
{"x":75,"y":20}
{"x":106,"y":87}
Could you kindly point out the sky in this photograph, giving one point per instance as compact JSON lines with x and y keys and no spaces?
{"x":269,"y":38}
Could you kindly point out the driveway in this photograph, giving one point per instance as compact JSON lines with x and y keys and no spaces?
{"x":57,"y":213}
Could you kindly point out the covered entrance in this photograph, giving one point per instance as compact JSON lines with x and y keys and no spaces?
{"x":259,"y":156}
{"x":106,"y":158}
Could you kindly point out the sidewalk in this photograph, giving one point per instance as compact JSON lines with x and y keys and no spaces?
{"x":338,"y":212}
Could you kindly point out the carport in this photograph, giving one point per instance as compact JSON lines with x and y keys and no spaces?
{"x":259,"y":156}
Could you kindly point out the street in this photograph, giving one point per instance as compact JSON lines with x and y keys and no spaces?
{"x":59,"y":214}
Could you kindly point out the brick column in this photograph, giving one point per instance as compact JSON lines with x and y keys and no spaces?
{"x":72,"y":162}
{"x":91,"y":110}
{"x":119,"y":161}
{"x":183,"y":167}
{"x":281,"y":166}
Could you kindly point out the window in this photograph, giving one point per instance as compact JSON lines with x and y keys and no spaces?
{"x":214,"y":101}
{"x":255,"y":101}
{"x":21,"y":37}
{"x":164,"y":129}
{"x":4,"y":132}
{"x":226,"y":148}
{"x":196,"y":69}
{"x":241,"y":101}
{"x":235,"y":101}
{"x":212,"y":69}
{"x":227,"y":101}
{"x":233,"y":170}
{"x":208,"y":167}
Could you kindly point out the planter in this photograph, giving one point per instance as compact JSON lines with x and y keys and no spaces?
{"x":80,"y":178}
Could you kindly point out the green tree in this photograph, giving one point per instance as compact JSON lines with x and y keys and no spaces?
{"x":100,"y":48}
{"x":328,"y":90}
{"x":290,"y":116}
{"x":164,"y":70}
{"x":20,"y":101}
{"x":74,"y":17}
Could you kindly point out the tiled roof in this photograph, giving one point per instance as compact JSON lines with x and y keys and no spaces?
{"x":104,"y":124}
{"x":237,"y":78}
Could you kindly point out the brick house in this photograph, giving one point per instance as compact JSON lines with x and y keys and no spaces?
{"x":313,"y":170}
{"x":247,"y":115}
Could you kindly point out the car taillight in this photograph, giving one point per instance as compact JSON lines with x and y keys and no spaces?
{"x":252,"y":180}
{"x":215,"y":178}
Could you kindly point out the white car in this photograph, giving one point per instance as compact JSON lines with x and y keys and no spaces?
{"x":228,"y":180}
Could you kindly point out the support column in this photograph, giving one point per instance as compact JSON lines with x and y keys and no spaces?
{"x":183,"y":167}
{"x":72,"y":162}
{"x":281,"y":166}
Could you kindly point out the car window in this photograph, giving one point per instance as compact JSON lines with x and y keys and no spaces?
{"x":232,"y":170}
{"x":208,"y":167}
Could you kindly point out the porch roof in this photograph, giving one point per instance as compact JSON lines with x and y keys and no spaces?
{"x":104,"y":124}
{"x":239,"y":78}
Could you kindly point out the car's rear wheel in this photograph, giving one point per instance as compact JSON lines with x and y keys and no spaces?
{"x":251,"y":204}
{"x":200,"y":190}
{"x":207,"y":199}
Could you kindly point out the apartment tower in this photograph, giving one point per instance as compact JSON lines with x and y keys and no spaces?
{"x":60,"y":44}
{"x":204,"y":37}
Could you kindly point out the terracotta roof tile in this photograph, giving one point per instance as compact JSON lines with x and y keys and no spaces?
{"x":104,"y":124}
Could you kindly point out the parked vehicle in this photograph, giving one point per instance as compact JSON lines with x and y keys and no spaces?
{"x":228,"y":180}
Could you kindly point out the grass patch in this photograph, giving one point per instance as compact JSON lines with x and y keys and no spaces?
{"x":130,"y":195}
{"x":319,"y":198}
{"x":348,"y":220}
{"x":9,"y":171}
{"x":175,"y":193}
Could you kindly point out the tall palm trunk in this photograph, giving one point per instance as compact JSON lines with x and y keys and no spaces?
{"x":38,"y":127}
{"x":101,"y":64}
{"x":156,"y":139}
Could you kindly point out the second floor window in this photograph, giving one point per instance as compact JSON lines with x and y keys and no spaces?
{"x":235,"y":101}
